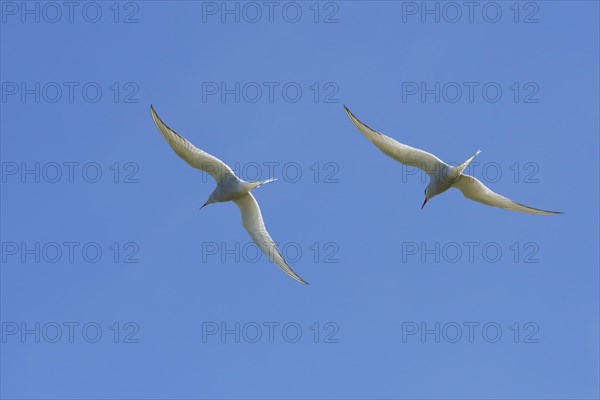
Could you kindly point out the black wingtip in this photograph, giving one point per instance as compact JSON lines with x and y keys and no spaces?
{"x":354,"y":117}
{"x":154,"y":113}
{"x":539,"y":209}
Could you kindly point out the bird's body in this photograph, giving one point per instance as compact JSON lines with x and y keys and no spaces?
{"x":442,"y":179}
{"x":229,"y":188}
{"x":233,"y":188}
{"x":441,"y":175}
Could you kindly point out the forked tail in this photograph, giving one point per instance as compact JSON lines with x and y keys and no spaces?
{"x":460,"y":168}
{"x":257,"y":184}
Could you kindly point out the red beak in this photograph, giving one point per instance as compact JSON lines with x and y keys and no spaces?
{"x":425,"y":202}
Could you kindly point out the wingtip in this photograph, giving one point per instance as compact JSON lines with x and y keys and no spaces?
{"x":546,"y":212}
{"x":297,"y":278}
{"x":352,"y":117}
{"x":540,"y":211}
{"x":155,"y":116}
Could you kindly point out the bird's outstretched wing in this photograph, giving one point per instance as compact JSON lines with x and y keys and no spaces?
{"x":473,"y":189}
{"x":191,"y":154}
{"x":253,"y":222}
{"x":400,"y":152}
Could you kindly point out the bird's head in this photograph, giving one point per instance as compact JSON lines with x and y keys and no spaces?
{"x":428,"y":195}
{"x":209,"y":201}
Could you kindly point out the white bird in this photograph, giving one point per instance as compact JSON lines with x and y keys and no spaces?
{"x":441,"y":175}
{"x":229,"y":188}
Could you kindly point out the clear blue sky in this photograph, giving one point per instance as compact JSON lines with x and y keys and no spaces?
{"x":402,"y":276}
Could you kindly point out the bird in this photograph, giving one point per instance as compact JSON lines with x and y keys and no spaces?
{"x":441,"y":175}
{"x":229,"y":188}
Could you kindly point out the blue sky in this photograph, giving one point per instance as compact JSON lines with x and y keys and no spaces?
{"x":115,"y":285}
